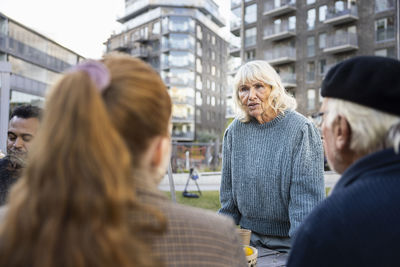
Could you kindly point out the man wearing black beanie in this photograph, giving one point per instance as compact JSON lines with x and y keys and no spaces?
{"x":358,"y":224}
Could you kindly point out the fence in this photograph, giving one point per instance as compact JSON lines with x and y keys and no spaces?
{"x":202,"y":156}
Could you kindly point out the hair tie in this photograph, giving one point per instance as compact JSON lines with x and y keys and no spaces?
{"x":97,"y":72}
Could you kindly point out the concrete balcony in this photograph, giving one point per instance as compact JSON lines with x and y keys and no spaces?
{"x":236,"y":24}
{"x":271,"y":8}
{"x":278,"y":32}
{"x":336,"y":17}
{"x":280,"y":55}
{"x":288,"y":80}
{"x":234,"y":51}
{"x":339,"y":43}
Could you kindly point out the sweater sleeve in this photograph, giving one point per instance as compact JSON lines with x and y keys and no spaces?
{"x":307,"y":181}
{"x":228,"y":204}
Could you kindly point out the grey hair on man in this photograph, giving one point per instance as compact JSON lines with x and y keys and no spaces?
{"x":371,"y":129}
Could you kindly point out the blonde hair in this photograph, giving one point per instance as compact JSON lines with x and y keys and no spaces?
{"x":369,"y":127}
{"x":262,"y":71}
{"x":73,"y":206}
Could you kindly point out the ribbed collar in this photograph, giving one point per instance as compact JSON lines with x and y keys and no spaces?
{"x":374,"y":161}
{"x":272,"y":123}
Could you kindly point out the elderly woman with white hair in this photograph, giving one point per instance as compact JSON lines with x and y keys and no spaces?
{"x":272,"y":173}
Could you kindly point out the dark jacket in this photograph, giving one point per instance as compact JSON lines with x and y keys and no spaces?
{"x":359,"y":224}
{"x":7,"y":178}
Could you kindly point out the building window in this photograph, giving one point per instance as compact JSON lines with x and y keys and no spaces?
{"x":322,"y":67}
{"x":311,"y":46}
{"x":199,"y":49}
{"x":198,"y":115}
{"x":386,"y":52}
{"x":181,"y":24}
{"x":322,"y":12}
{"x":213,"y":85}
{"x":235,"y":2}
{"x":212,"y":55}
{"x":156,"y":28}
{"x":382,"y":5}
{"x":310,"y":72}
{"x":199,"y":99}
{"x":199,"y":66}
{"x":208,"y":83}
{"x":249,"y":55}
{"x":322,"y":40}
{"x":213,"y":101}
{"x":236,"y":18}
{"x":213,"y":70}
{"x":311,"y":19}
{"x":384,"y":29}
{"x":292,"y":23}
{"x":199,"y":83}
{"x":310,"y":99}
{"x":213,"y":40}
{"x":250,"y":36}
{"x":199,"y":32}
{"x":339,"y":6}
{"x":250,"y":14}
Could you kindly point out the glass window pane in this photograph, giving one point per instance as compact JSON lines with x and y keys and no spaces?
{"x":322,"y":40}
{"x":250,"y":37}
{"x":311,"y":19}
{"x":322,"y":12}
{"x":311,"y":99}
{"x":250,"y":14}
{"x":311,"y":46}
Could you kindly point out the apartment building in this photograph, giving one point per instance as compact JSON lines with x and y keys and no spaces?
{"x":181,"y":40}
{"x":29,"y":63}
{"x":302,"y":39}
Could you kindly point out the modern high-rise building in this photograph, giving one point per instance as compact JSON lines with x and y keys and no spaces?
{"x":29,"y":63}
{"x":181,"y":40}
{"x":302,"y":39}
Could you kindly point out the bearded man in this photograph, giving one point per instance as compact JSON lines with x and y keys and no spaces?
{"x":22,"y":128}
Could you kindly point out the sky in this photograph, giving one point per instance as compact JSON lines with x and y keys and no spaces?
{"x":80,"y":25}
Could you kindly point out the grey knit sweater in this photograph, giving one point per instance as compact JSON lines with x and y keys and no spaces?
{"x":272,"y":173}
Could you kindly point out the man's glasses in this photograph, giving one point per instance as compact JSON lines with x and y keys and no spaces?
{"x":318,"y":118}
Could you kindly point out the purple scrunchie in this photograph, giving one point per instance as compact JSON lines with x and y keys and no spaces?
{"x":97,"y":71}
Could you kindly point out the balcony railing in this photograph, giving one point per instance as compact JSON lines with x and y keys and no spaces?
{"x":177,"y":81}
{"x":278,"y":32}
{"x":383,"y":35}
{"x":288,"y":79}
{"x":236,"y":23}
{"x":140,"y":52}
{"x":341,"y":43}
{"x":280,"y":55}
{"x":184,"y":136}
{"x":335,"y":16}
{"x":272,"y":8}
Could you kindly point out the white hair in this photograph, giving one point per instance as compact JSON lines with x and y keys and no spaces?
{"x":369,"y":127}
{"x":262,"y":71}
{"x":393,"y":138}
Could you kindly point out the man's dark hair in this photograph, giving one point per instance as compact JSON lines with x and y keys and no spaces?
{"x":26,"y":112}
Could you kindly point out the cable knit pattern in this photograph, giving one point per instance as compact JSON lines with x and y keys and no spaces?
{"x":272,"y":173}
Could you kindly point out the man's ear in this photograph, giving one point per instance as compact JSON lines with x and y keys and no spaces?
{"x":342,"y":133}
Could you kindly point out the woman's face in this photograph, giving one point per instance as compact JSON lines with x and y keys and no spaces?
{"x":254,"y":97}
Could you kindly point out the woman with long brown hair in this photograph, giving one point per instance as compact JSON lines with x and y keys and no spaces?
{"x":89,"y":197}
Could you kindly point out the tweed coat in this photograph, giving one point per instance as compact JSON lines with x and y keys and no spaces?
{"x":194,"y":237}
